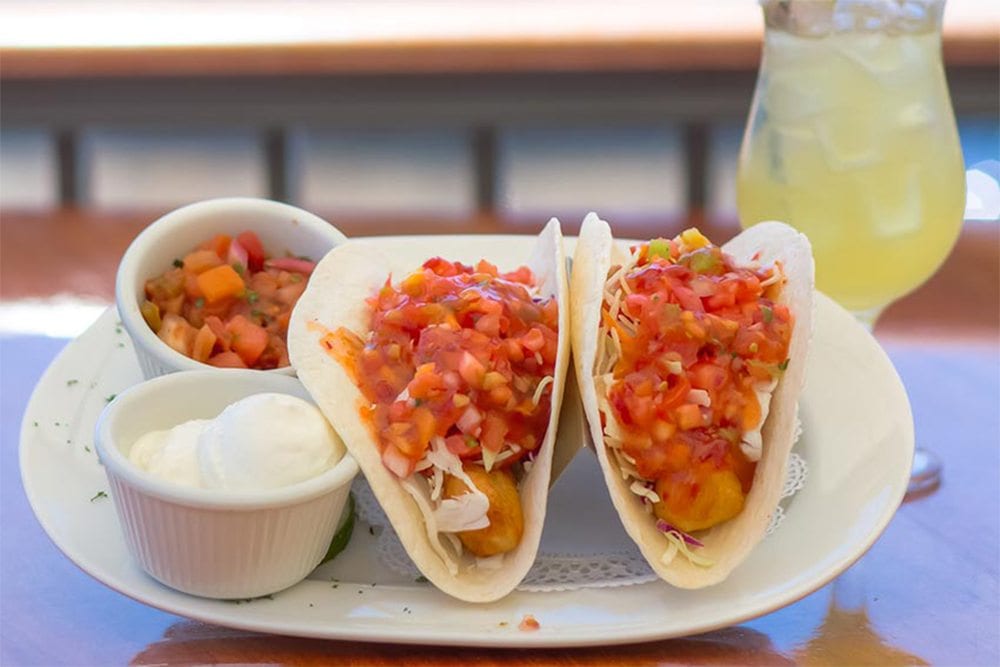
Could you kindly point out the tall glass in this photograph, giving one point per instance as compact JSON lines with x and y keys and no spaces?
{"x":851,"y":138}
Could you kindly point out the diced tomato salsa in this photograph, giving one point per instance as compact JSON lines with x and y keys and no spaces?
{"x":459,"y":352}
{"x":697,"y":335}
{"x":226,"y":303}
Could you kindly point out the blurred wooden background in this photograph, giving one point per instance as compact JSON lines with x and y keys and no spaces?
{"x":429,"y":109}
{"x":389,"y":117}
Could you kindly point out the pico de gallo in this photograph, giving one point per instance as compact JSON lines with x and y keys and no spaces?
{"x":457,"y":370}
{"x":691,"y":348}
{"x":226,"y":303}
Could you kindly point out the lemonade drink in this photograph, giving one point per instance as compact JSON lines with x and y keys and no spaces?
{"x":852,"y":140}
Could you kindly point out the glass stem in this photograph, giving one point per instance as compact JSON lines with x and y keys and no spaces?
{"x":868,"y":317}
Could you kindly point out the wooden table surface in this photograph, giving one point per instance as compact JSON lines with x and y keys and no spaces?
{"x":927,"y":592}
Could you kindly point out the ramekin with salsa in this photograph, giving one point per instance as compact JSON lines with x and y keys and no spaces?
{"x":220,"y":278}
{"x":226,"y":303}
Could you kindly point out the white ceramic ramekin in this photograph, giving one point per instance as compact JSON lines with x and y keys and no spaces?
{"x":214,"y":543}
{"x":280,"y":227}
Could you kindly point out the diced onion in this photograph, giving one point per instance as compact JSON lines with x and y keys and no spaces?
{"x":673,"y":366}
{"x":470,"y":420}
{"x":699,"y":397}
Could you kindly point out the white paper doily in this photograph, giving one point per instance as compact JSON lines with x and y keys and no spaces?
{"x":558,"y":571}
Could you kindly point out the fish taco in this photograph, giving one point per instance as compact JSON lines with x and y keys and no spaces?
{"x":445,"y":382}
{"x":690,"y":360}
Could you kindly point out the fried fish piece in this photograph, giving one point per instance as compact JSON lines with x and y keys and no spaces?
{"x":505,"y":514}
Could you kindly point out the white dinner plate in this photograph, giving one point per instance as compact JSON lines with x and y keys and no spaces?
{"x":857,"y":439}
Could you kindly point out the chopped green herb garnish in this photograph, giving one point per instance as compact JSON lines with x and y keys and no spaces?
{"x":86,"y":448}
{"x":753,"y":348}
{"x":118,"y":330}
{"x":121,"y":344}
{"x":295,"y":277}
{"x":70,"y":383}
{"x":36,"y":423}
{"x":108,"y":399}
{"x":238,"y":268}
{"x":179,"y":263}
{"x":421,"y":579}
{"x":783,"y":365}
{"x":252,"y":296}
{"x":471,"y":442}
{"x":767,"y":314}
{"x":99,"y":495}
{"x":417,"y":402}
{"x":199,"y":302}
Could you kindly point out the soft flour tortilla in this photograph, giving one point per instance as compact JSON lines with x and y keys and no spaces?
{"x":338,"y":288}
{"x":727,"y":544}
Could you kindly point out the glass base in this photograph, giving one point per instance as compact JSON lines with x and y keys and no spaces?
{"x":925,"y":476}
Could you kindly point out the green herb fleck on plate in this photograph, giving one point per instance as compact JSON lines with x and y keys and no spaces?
{"x":99,"y":495}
